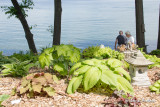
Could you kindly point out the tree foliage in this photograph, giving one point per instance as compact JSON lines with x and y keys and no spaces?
{"x":25,"y":5}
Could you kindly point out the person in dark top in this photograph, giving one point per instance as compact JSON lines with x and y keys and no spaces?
{"x":121,"y":39}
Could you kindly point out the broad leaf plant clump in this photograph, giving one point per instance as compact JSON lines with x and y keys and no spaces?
{"x":60,"y":58}
{"x":16,"y":69}
{"x":152,"y":58}
{"x":90,"y":72}
{"x":36,"y":84}
{"x":155,"y":87}
{"x":101,"y":53}
{"x":21,"y":56}
{"x":5,"y":59}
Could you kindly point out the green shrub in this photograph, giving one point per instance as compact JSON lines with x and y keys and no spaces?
{"x":5,"y":60}
{"x":101,"y":53}
{"x":60,"y":57}
{"x":89,"y":52}
{"x":16,"y":69}
{"x":155,"y":87}
{"x":21,"y":56}
{"x":36,"y":84}
{"x":155,"y":52}
{"x":153,"y":59}
{"x":90,"y":72}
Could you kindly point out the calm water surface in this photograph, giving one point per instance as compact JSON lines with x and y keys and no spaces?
{"x":84,"y":23}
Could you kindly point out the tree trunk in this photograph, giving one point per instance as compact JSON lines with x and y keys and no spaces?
{"x":158,"y":43}
{"x":57,"y":22}
{"x":28,"y":34}
{"x":140,"y":28}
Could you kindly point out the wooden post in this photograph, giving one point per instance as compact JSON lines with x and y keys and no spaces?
{"x":158,"y":42}
{"x":140,"y":28}
{"x":57,"y":22}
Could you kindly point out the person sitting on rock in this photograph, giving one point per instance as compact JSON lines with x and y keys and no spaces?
{"x":121,"y":39}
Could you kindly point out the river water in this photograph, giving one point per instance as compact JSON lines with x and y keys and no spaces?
{"x":84,"y":23}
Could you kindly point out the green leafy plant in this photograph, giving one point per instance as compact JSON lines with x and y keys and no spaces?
{"x":152,"y":58}
{"x":155,"y":52}
{"x":116,"y":66}
{"x":155,"y":87}
{"x":3,"y":97}
{"x":5,"y":60}
{"x":60,"y":57}
{"x":21,"y":56}
{"x":16,"y":69}
{"x":101,"y":53}
{"x":36,"y":84}
{"x":89,"y":72}
{"x":89,"y":52}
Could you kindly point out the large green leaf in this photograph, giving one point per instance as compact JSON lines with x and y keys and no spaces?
{"x":49,"y":50}
{"x":61,"y":50}
{"x":74,"y":67}
{"x":60,"y":67}
{"x":75,"y":56}
{"x":152,"y":88}
{"x":114,"y":63}
{"x":6,"y":71}
{"x":74,"y":84}
{"x":82,"y":70}
{"x":25,"y":62}
{"x":46,"y":57}
{"x":88,"y":62}
{"x":120,"y":70}
{"x":123,"y":84}
{"x":9,"y":66}
{"x":102,"y":67}
{"x":91,"y":78}
{"x":97,"y":62}
{"x":108,"y":77}
{"x":43,"y":60}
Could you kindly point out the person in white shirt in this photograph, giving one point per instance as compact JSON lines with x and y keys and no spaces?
{"x":130,"y":40}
